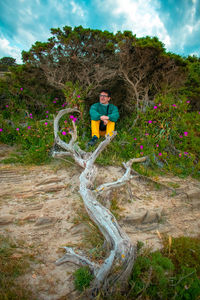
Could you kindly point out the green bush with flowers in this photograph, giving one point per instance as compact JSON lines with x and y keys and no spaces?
{"x":168,"y":133}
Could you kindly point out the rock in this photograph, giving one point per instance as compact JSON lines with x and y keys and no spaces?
{"x":144,"y":217}
{"x":153,"y":216}
{"x":194,"y":198}
{"x":7,"y":219}
{"x":45,"y":220}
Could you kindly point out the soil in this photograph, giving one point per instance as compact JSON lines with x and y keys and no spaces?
{"x":38,"y":205}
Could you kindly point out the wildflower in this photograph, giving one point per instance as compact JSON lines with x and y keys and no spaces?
{"x":149,"y":121}
{"x":71,"y":117}
{"x":46,"y":123}
{"x":1,"y":129}
{"x":64,"y":132}
{"x":185,"y":133}
{"x":30,"y":114}
{"x":141,"y":147}
{"x":78,"y":96}
{"x":21,"y":89}
{"x":56,"y":98}
{"x":186,"y":153}
{"x":54,"y":101}
{"x":155,"y":107}
{"x":63,"y":105}
{"x":141,"y":153}
{"x":74,"y":120}
{"x":159,"y":104}
{"x":174,"y":105}
{"x":146,"y":134}
{"x":135,"y":139}
{"x":180,"y":155}
{"x":7,"y":106}
{"x":47,"y":117}
{"x":47,"y":112}
{"x":180,"y":136}
{"x":29,"y":127}
{"x":17,"y":129}
{"x":160,"y":154}
{"x":157,"y":145}
{"x":65,"y":121}
{"x":188,"y":101}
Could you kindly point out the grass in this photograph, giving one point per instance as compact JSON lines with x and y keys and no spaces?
{"x":13,"y":264}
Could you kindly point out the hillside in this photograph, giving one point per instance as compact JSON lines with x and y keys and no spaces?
{"x":41,"y":210}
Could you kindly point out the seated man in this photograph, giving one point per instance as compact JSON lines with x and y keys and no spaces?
{"x":103,"y":117}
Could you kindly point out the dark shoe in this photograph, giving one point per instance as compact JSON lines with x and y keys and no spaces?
{"x":93,"y":141}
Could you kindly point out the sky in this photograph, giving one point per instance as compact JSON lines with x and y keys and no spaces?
{"x":175,"y":22}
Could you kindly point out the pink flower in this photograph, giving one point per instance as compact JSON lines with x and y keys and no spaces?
{"x":63,"y":105}
{"x":146,"y":134}
{"x":71,"y":117}
{"x":1,"y":129}
{"x":174,"y":105}
{"x":141,"y":147}
{"x":188,"y":101}
{"x":160,"y":154}
{"x":149,"y":121}
{"x":65,"y":121}
{"x":30,"y":114}
{"x":159,"y":104}
{"x":47,"y":112}
{"x":64,"y":132}
{"x":7,"y":105}
{"x":54,"y":101}
{"x":180,"y":155}
{"x":56,"y":98}
{"x":46,"y":123}
{"x":135,"y":139}
{"x":78,"y":96}
{"x":186,"y":153}
{"x":17,"y":129}
{"x":141,"y":153}
{"x":21,"y":89}
{"x":74,"y":120}
{"x":155,"y":107}
{"x":185,"y":133}
{"x":157,"y":145}
{"x":180,"y":136}
{"x":29,"y":127}
{"x":47,"y":117}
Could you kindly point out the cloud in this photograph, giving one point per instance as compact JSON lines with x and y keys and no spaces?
{"x":7,"y":50}
{"x":141,"y":17}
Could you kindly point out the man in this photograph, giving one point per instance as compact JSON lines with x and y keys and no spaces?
{"x":103,"y":117}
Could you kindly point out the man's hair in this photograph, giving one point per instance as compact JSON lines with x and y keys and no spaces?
{"x":106,"y":91}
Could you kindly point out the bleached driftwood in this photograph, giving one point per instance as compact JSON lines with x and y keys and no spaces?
{"x":118,"y":265}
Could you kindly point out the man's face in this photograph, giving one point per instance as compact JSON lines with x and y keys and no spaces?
{"x":104,"y":98}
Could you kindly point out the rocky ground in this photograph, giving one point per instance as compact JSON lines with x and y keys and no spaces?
{"x":38,"y":205}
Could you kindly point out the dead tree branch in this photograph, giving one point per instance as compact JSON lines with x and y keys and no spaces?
{"x":118,"y":265}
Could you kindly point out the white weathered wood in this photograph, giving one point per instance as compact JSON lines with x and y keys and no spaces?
{"x":118,"y":265}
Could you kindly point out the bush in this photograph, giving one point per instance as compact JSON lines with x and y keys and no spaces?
{"x":82,"y":278}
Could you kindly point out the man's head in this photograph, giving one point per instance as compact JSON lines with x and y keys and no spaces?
{"x":104,"y":96}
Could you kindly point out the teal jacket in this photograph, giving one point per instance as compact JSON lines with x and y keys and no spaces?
{"x":97,"y":110}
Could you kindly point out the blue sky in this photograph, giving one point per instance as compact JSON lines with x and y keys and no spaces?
{"x":175,"y":22}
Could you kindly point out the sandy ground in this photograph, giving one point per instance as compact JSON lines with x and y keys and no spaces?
{"x":38,"y":205}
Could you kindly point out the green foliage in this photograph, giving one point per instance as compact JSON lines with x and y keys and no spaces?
{"x":82,"y":278}
{"x":11,"y":267}
{"x":184,"y":252}
{"x":165,"y":274}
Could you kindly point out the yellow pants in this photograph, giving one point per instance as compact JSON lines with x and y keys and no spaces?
{"x":110,"y":127}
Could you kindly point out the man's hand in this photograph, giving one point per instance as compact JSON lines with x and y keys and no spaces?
{"x":104,"y":118}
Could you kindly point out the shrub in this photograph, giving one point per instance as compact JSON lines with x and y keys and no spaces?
{"x":82,"y":278}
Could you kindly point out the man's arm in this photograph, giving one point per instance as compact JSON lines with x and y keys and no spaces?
{"x":94,"y":114}
{"x":114,"y":115}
